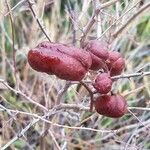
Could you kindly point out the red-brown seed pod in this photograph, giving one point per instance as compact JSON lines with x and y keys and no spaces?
{"x":99,"y":53}
{"x":97,"y":63}
{"x":66,"y":62}
{"x":114,"y":106}
{"x":103,"y":83}
{"x":115,"y":63}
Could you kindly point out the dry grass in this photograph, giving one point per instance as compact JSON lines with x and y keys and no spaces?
{"x":30,"y":118}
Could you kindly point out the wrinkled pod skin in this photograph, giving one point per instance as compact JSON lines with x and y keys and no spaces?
{"x":99,"y":54}
{"x":114,"y":106}
{"x":103,"y":83}
{"x":115,"y":63}
{"x":66,"y":62}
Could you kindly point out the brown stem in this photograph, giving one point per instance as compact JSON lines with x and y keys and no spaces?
{"x":62,"y":92}
{"x":13,"y":43}
{"x":131,"y":19}
{"x":92,"y":20}
{"x":38,"y":21}
{"x":91,"y":94}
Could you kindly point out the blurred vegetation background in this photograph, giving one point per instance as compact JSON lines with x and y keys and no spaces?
{"x":124,"y":25}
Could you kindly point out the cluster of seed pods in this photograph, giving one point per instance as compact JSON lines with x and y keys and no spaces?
{"x":71,"y":63}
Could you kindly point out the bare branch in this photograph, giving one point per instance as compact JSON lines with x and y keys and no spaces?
{"x":23,"y":95}
{"x":92,"y":20}
{"x":118,"y":19}
{"x":23,"y":131}
{"x":19,"y":3}
{"x":38,"y":21}
{"x":132,"y":75}
{"x":43,"y":118}
{"x":13,"y":42}
{"x":62,"y":92}
{"x":54,"y":139}
{"x":20,"y":134}
{"x":142,"y":74}
{"x":120,"y":30}
{"x":91,"y":94}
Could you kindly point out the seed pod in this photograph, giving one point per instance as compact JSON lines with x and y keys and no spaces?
{"x":97,"y":63}
{"x":98,"y":48}
{"x":66,"y":62}
{"x":117,"y":67}
{"x":99,"y":53}
{"x":103,"y":83}
{"x":115,"y":63}
{"x":114,"y":106}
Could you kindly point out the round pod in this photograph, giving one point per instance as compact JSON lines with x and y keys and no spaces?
{"x":66,"y":62}
{"x":115,"y":63}
{"x":103,"y":83}
{"x":99,"y":53}
{"x":114,"y":106}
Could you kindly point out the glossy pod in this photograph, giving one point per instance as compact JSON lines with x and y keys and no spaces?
{"x":114,"y":106}
{"x":66,"y":62}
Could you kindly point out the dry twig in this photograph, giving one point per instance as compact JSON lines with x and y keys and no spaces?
{"x":38,"y":21}
{"x":23,"y":95}
{"x":120,"y":30}
{"x":92,"y":20}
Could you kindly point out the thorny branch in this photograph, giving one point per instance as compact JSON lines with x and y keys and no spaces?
{"x":13,"y":42}
{"x":52,"y":112}
{"x":131,"y":75}
{"x":64,"y":89}
{"x":75,"y":107}
{"x":118,"y":19}
{"x":58,"y":107}
{"x":43,"y":118}
{"x":92,"y":20}
{"x":142,"y":74}
{"x":23,"y":95}
{"x":19,"y":3}
{"x":146,"y":6}
{"x":54,"y":139}
{"x":91,"y":95}
{"x":62,"y":92}
{"x":38,"y":21}
{"x":20,"y":134}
